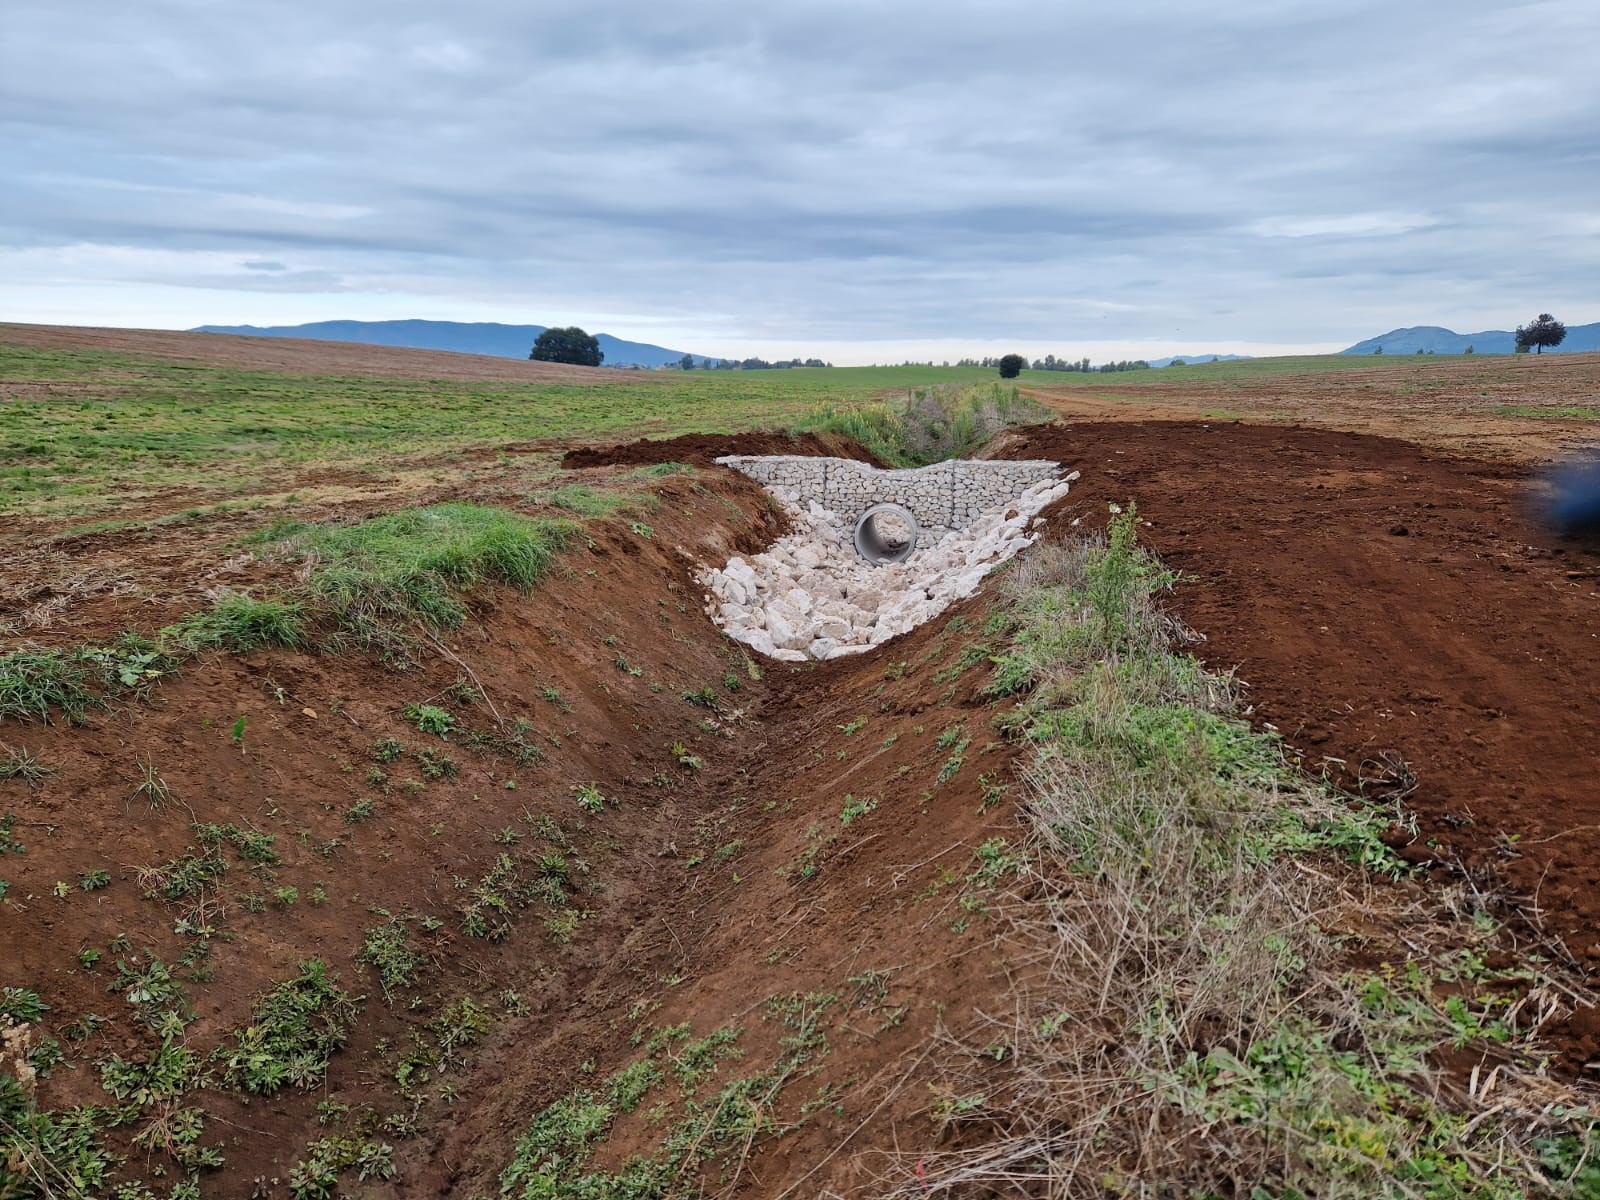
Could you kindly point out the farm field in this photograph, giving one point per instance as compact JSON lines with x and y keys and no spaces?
{"x":1527,"y":408}
{"x":470,"y":859}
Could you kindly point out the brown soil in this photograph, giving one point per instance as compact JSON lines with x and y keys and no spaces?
{"x":1375,"y":597}
{"x":303,"y":356}
{"x":1459,"y":404}
{"x":704,"y":449}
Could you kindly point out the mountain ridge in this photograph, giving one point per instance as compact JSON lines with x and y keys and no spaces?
{"x":1436,"y":339}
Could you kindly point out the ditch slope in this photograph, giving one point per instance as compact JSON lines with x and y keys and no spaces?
{"x":782,"y":875}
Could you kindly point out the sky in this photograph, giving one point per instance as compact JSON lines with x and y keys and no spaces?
{"x":865,"y":180}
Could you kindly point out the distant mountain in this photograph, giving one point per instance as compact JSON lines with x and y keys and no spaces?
{"x":501,"y":341}
{"x":1438,"y":340}
{"x":1193,"y":360}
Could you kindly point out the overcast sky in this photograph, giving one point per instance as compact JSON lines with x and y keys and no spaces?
{"x":862,"y":180}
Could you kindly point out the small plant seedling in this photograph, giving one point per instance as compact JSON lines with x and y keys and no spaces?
{"x":854,"y":808}
{"x":19,"y":763}
{"x":589,"y":798}
{"x":237,"y":732}
{"x":150,"y":785}
{"x":430,"y":718}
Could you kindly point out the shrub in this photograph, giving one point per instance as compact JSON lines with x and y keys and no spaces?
{"x":930,"y":425}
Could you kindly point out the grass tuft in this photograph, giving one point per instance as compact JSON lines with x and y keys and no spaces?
{"x":583,"y":500}
{"x":384,"y":574}
{"x":34,"y":682}
{"x":18,"y":762}
{"x":238,"y":622}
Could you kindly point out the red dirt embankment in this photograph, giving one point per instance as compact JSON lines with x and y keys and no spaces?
{"x":812,"y":836}
{"x":703,"y":449}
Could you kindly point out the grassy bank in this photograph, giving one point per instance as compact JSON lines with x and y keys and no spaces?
{"x":382,"y":586}
{"x":1191,"y":1021}
{"x":82,"y":431}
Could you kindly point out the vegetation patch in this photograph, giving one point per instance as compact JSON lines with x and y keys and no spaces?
{"x":931,"y":424}
{"x":240,"y":623}
{"x":386,"y":573}
{"x":297,"y":1027}
{"x":694,"y":1129}
{"x":1195,"y":1024}
{"x":585,"y":501}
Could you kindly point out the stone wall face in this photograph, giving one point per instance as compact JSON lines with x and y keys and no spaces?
{"x":945,"y":496}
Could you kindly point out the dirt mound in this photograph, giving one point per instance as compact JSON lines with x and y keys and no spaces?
{"x":703,"y":449}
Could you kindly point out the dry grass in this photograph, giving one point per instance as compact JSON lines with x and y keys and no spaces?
{"x":1187,"y":1021}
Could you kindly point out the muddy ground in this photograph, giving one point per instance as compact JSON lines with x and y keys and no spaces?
{"x":1385,"y":604}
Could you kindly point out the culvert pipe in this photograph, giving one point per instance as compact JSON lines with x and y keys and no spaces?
{"x":886,"y":534}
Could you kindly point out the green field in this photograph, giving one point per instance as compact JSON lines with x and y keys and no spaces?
{"x":81,"y":430}
{"x":1251,"y":369}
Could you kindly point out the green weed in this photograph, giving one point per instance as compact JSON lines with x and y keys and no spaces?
{"x":240,"y":623}
{"x":21,"y":763}
{"x":33,"y":683}
{"x":295,"y":1029}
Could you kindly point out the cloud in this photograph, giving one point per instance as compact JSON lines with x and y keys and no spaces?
{"x":721,"y":175}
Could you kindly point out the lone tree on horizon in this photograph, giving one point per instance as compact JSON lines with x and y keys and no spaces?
{"x":1011,"y":366}
{"x":1544,"y":330}
{"x":569,"y":345}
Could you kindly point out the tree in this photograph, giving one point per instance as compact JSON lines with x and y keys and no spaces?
{"x":1011,"y":366}
{"x":1544,"y":330}
{"x":569,"y":345}
{"x":686,"y":363}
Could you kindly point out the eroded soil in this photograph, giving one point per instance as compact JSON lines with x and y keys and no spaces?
{"x":1384,"y":603}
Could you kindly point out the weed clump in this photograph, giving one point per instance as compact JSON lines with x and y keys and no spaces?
{"x":931,"y":424}
{"x":238,"y":622}
{"x":32,"y":683}
{"x":297,"y":1027}
{"x":377,"y":577}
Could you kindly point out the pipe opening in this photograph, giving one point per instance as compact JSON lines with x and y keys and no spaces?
{"x":885,"y":534}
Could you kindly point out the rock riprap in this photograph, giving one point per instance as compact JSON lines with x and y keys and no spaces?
{"x":809,"y":596}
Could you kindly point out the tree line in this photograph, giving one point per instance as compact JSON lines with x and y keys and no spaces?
{"x":689,"y":363}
